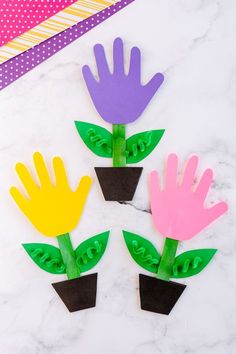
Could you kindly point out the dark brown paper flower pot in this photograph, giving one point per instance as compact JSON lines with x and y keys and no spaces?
{"x":78,"y":294}
{"x":118,"y":183}
{"x":158,"y":295}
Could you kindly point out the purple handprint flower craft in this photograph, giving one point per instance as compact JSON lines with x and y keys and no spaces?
{"x":120,"y":98}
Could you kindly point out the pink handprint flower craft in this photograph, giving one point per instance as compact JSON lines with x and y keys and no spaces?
{"x":179,"y":212}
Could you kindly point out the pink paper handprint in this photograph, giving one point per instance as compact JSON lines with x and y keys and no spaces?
{"x":178,"y":209}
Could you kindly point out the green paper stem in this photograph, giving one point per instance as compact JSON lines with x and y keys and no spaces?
{"x":167,"y":259}
{"x":68,"y":256}
{"x":119,"y":145}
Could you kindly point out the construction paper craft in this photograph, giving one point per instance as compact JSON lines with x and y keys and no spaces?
{"x":157,"y":295}
{"x":179,"y":212}
{"x":78,"y":294}
{"x":118,"y":183}
{"x":18,"y":16}
{"x":69,"y":16}
{"x":54,"y":209}
{"x":183,"y":215}
{"x":13,"y":69}
{"x":119,"y":99}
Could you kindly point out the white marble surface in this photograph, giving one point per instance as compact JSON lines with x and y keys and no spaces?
{"x":193,"y":43}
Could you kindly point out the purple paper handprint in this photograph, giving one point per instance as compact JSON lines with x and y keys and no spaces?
{"x":120,"y":98}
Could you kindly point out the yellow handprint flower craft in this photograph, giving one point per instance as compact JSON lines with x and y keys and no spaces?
{"x":53,"y":208}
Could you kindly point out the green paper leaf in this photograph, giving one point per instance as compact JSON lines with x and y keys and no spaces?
{"x":97,"y":139}
{"x":89,"y":252}
{"x":47,"y":257}
{"x":142,"y":251}
{"x":141,"y":145}
{"x":192,"y":262}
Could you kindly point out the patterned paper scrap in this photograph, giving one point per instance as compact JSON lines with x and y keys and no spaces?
{"x":64,"y":19}
{"x":13,"y":69}
{"x":18,"y":16}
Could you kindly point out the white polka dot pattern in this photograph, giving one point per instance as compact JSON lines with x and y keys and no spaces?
{"x":21,"y":64}
{"x":18,"y":16}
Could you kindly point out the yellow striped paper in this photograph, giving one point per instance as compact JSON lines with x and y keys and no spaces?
{"x":64,"y":19}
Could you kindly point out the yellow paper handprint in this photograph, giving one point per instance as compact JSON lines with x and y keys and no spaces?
{"x":53,"y":208}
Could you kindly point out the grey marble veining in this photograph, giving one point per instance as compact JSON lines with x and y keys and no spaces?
{"x":193,"y":44}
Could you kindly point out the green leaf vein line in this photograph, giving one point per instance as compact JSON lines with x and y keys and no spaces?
{"x":44,"y":258}
{"x":140,"y":146}
{"x":89,"y":254}
{"x":97,"y":140}
{"x":142,"y":253}
{"x":187,"y":265}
